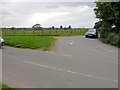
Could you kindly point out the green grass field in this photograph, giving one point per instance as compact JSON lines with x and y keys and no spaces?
{"x":69,"y":32}
{"x":32,"y":42}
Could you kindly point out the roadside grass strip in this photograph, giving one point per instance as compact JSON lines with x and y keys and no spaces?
{"x":5,"y":87}
{"x":33,"y":42}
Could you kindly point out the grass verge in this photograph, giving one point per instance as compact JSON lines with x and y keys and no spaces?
{"x":5,"y":87}
{"x":0,"y":86}
{"x":112,"y":39}
{"x":32,"y":42}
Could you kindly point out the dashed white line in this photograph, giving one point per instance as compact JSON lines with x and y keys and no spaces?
{"x":67,"y":55}
{"x":111,"y":51}
{"x":102,"y":53}
{"x":51,"y":52}
{"x":106,"y":48}
{"x":71,"y":43}
{"x":72,"y":72}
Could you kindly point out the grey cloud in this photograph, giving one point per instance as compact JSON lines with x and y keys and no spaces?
{"x":48,"y":1}
{"x":77,"y":19}
{"x":31,"y":7}
{"x":19,"y":13}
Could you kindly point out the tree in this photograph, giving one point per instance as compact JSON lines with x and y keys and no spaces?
{"x":98,"y":25}
{"x":37,"y":27}
{"x":12,"y":28}
{"x":108,"y":13}
{"x":69,"y":27}
{"x":53,"y":27}
{"x":61,"y":27}
{"x":65,"y":28}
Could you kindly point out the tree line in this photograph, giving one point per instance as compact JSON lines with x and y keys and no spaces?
{"x":38,"y":27}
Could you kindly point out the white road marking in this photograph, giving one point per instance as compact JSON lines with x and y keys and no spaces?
{"x":51,"y":52}
{"x":102,"y":53}
{"x":72,"y":72}
{"x":71,"y":43}
{"x":111,"y":51}
{"x":67,"y":55}
{"x":106,"y":48}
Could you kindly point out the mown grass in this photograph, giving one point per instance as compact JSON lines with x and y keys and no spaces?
{"x":5,"y":87}
{"x":32,"y":42}
{"x":69,"y":32}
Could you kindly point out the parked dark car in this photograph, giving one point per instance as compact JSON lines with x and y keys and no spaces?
{"x":91,"y":33}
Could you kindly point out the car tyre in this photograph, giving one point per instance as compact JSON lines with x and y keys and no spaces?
{"x":86,"y":36}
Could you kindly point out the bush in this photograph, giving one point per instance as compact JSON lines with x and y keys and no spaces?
{"x":103,"y":32}
{"x":112,"y":39}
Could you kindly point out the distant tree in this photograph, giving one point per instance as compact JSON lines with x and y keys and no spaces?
{"x":69,"y":27}
{"x":12,"y":28}
{"x":53,"y":27}
{"x":65,"y":28}
{"x":37,"y":27}
{"x":61,"y":27}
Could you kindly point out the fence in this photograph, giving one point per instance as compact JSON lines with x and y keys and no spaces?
{"x":55,"y":32}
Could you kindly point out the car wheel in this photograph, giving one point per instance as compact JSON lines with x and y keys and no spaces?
{"x":3,"y":44}
{"x":86,"y":36}
{"x":96,"y":36}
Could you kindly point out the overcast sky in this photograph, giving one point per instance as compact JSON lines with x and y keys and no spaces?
{"x":25,"y":14}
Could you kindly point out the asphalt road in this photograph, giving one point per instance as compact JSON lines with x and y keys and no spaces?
{"x":79,"y":63}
